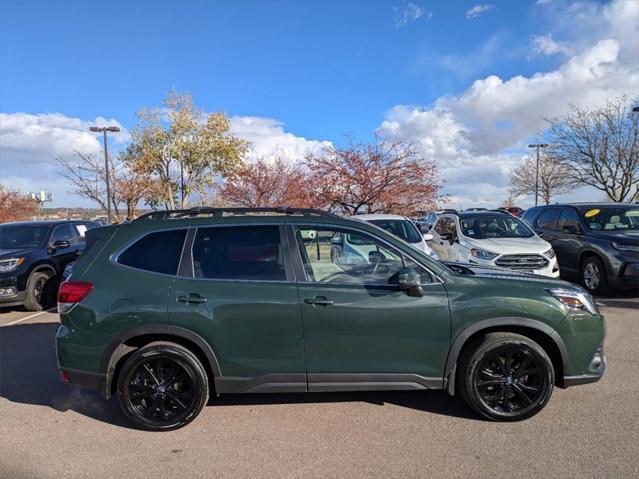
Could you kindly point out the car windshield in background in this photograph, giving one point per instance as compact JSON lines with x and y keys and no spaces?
{"x":403,"y":229}
{"x":618,"y":218}
{"x":494,"y":226}
{"x":22,"y":236}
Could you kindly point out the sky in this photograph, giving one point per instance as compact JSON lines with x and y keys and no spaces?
{"x":469,"y":83}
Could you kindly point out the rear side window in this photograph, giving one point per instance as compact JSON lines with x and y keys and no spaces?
{"x":548,"y":219}
{"x":158,"y":252}
{"x":569,"y":222}
{"x":240,"y":253}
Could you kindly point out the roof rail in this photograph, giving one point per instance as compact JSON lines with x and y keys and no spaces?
{"x":220,"y":212}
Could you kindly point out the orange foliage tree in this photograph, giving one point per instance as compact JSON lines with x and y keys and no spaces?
{"x":15,"y":206}
{"x":383,"y":177}
{"x":263,"y":184}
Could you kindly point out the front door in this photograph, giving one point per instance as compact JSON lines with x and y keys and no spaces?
{"x":568,"y":242}
{"x":360,"y":330}
{"x":237,"y":292}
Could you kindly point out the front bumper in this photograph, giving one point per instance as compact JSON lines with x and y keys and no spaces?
{"x":628,"y":277}
{"x":596,"y":370}
{"x":10,"y":293}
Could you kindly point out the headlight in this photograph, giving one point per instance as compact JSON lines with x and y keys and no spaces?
{"x":10,"y":264}
{"x":550,"y":254}
{"x":625,"y":247}
{"x":575,"y":299}
{"x":483,"y":254}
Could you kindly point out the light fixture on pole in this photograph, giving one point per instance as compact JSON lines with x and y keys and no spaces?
{"x":112,"y":129}
{"x":537,"y":146}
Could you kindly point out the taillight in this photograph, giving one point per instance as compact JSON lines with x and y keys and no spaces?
{"x":71,"y":293}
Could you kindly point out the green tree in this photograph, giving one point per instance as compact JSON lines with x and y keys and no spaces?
{"x":184,"y":148}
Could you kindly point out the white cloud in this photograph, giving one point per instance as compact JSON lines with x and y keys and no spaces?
{"x":478,"y":10}
{"x":478,"y":135}
{"x":29,"y":144}
{"x":409,"y":13}
{"x":269,"y":140}
{"x":544,"y":44}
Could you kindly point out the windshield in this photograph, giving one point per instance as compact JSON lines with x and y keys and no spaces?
{"x":404,"y":229}
{"x":494,"y":226}
{"x":615,"y":218}
{"x":22,"y":236}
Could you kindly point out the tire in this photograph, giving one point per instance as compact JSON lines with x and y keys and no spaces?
{"x":492,"y":382}
{"x":593,"y":276}
{"x":38,"y":291}
{"x":153,"y":401}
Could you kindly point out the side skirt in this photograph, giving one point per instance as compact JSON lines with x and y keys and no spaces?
{"x":286,"y":383}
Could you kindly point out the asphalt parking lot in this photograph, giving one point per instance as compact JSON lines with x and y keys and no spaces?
{"x":49,"y":429}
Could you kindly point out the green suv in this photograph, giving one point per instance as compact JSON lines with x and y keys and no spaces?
{"x":177,"y":305}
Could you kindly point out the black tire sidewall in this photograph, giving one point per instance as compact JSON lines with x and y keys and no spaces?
{"x":31,"y":303}
{"x":183,"y":357}
{"x":471,"y":396}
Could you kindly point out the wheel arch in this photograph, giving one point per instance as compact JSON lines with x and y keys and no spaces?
{"x":43,"y":266}
{"x":124,"y":344}
{"x":539,"y":332}
{"x":588,"y":253}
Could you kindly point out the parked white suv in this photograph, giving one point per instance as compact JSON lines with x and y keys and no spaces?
{"x":493,"y":239}
{"x":403,"y":228}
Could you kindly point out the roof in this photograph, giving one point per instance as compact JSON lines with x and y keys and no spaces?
{"x":586,"y":206}
{"x":41,"y":222}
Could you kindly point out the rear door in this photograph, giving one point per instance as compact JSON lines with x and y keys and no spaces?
{"x":360,"y":330}
{"x":235,"y":289}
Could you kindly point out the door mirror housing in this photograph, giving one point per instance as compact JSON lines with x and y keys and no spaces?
{"x":336,"y":240}
{"x":410,"y":281}
{"x":428,"y":237}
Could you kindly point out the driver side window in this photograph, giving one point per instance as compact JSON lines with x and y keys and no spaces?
{"x":348,"y":257}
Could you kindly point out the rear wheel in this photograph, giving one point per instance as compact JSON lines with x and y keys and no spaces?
{"x":593,"y":275}
{"x":506,"y":377}
{"x":162,"y":386}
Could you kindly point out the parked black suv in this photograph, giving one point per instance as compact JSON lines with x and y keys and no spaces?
{"x":33,"y":256}
{"x":596,"y":243}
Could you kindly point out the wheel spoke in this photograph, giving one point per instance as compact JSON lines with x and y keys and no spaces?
{"x":522,"y":394}
{"x":150,"y":412}
{"x":152,"y":374}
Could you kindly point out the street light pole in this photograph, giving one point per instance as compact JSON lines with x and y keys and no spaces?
{"x":537,"y":146}
{"x":113,"y":129}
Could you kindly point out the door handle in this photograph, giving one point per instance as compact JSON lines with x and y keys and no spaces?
{"x":192,"y":298}
{"x":319,"y":301}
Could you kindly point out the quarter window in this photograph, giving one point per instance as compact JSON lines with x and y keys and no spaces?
{"x":158,"y":252}
{"x":240,"y":253}
{"x":341,"y":257}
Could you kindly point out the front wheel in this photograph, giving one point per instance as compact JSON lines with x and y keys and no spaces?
{"x":506,"y":377}
{"x":593,"y":276}
{"x":162,"y":386}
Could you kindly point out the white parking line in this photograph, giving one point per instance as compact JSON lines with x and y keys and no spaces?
{"x":28,"y":317}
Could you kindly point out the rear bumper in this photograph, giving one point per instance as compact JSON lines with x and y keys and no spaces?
{"x":83,"y":379}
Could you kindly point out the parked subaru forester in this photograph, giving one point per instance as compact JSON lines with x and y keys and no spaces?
{"x":177,"y":305}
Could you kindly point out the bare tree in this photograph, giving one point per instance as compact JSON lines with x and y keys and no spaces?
{"x":87,"y":176}
{"x":554,"y":178}
{"x":600,"y":147}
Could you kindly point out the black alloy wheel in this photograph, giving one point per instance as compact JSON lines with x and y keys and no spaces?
{"x":162,"y":386}
{"x":508,"y":377}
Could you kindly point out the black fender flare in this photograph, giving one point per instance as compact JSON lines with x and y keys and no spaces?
{"x":117,"y":348}
{"x":491,"y":323}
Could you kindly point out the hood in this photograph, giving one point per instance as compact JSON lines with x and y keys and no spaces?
{"x":534,"y":244}
{"x":11,"y":253}
{"x":509,"y":278}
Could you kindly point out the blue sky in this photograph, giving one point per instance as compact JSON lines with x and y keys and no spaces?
{"x":297,"y":73}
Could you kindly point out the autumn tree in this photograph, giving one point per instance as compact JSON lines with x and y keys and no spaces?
{"x":14,"y":206}
{"x":554,"y":178}
{"x":382,"y":177}
{"x":263,"y":184}
{"x":184,"y":148}
{"x":600,"y":147}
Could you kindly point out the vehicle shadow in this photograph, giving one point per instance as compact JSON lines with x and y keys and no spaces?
{"x":29,"y":375}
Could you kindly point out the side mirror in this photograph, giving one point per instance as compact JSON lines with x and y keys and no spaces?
{"x":428,"y":237}
{"x":61,"y":244}
{"x":336,"y":240}
{"x":409,"y":281}
{"x":424,"y":228}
